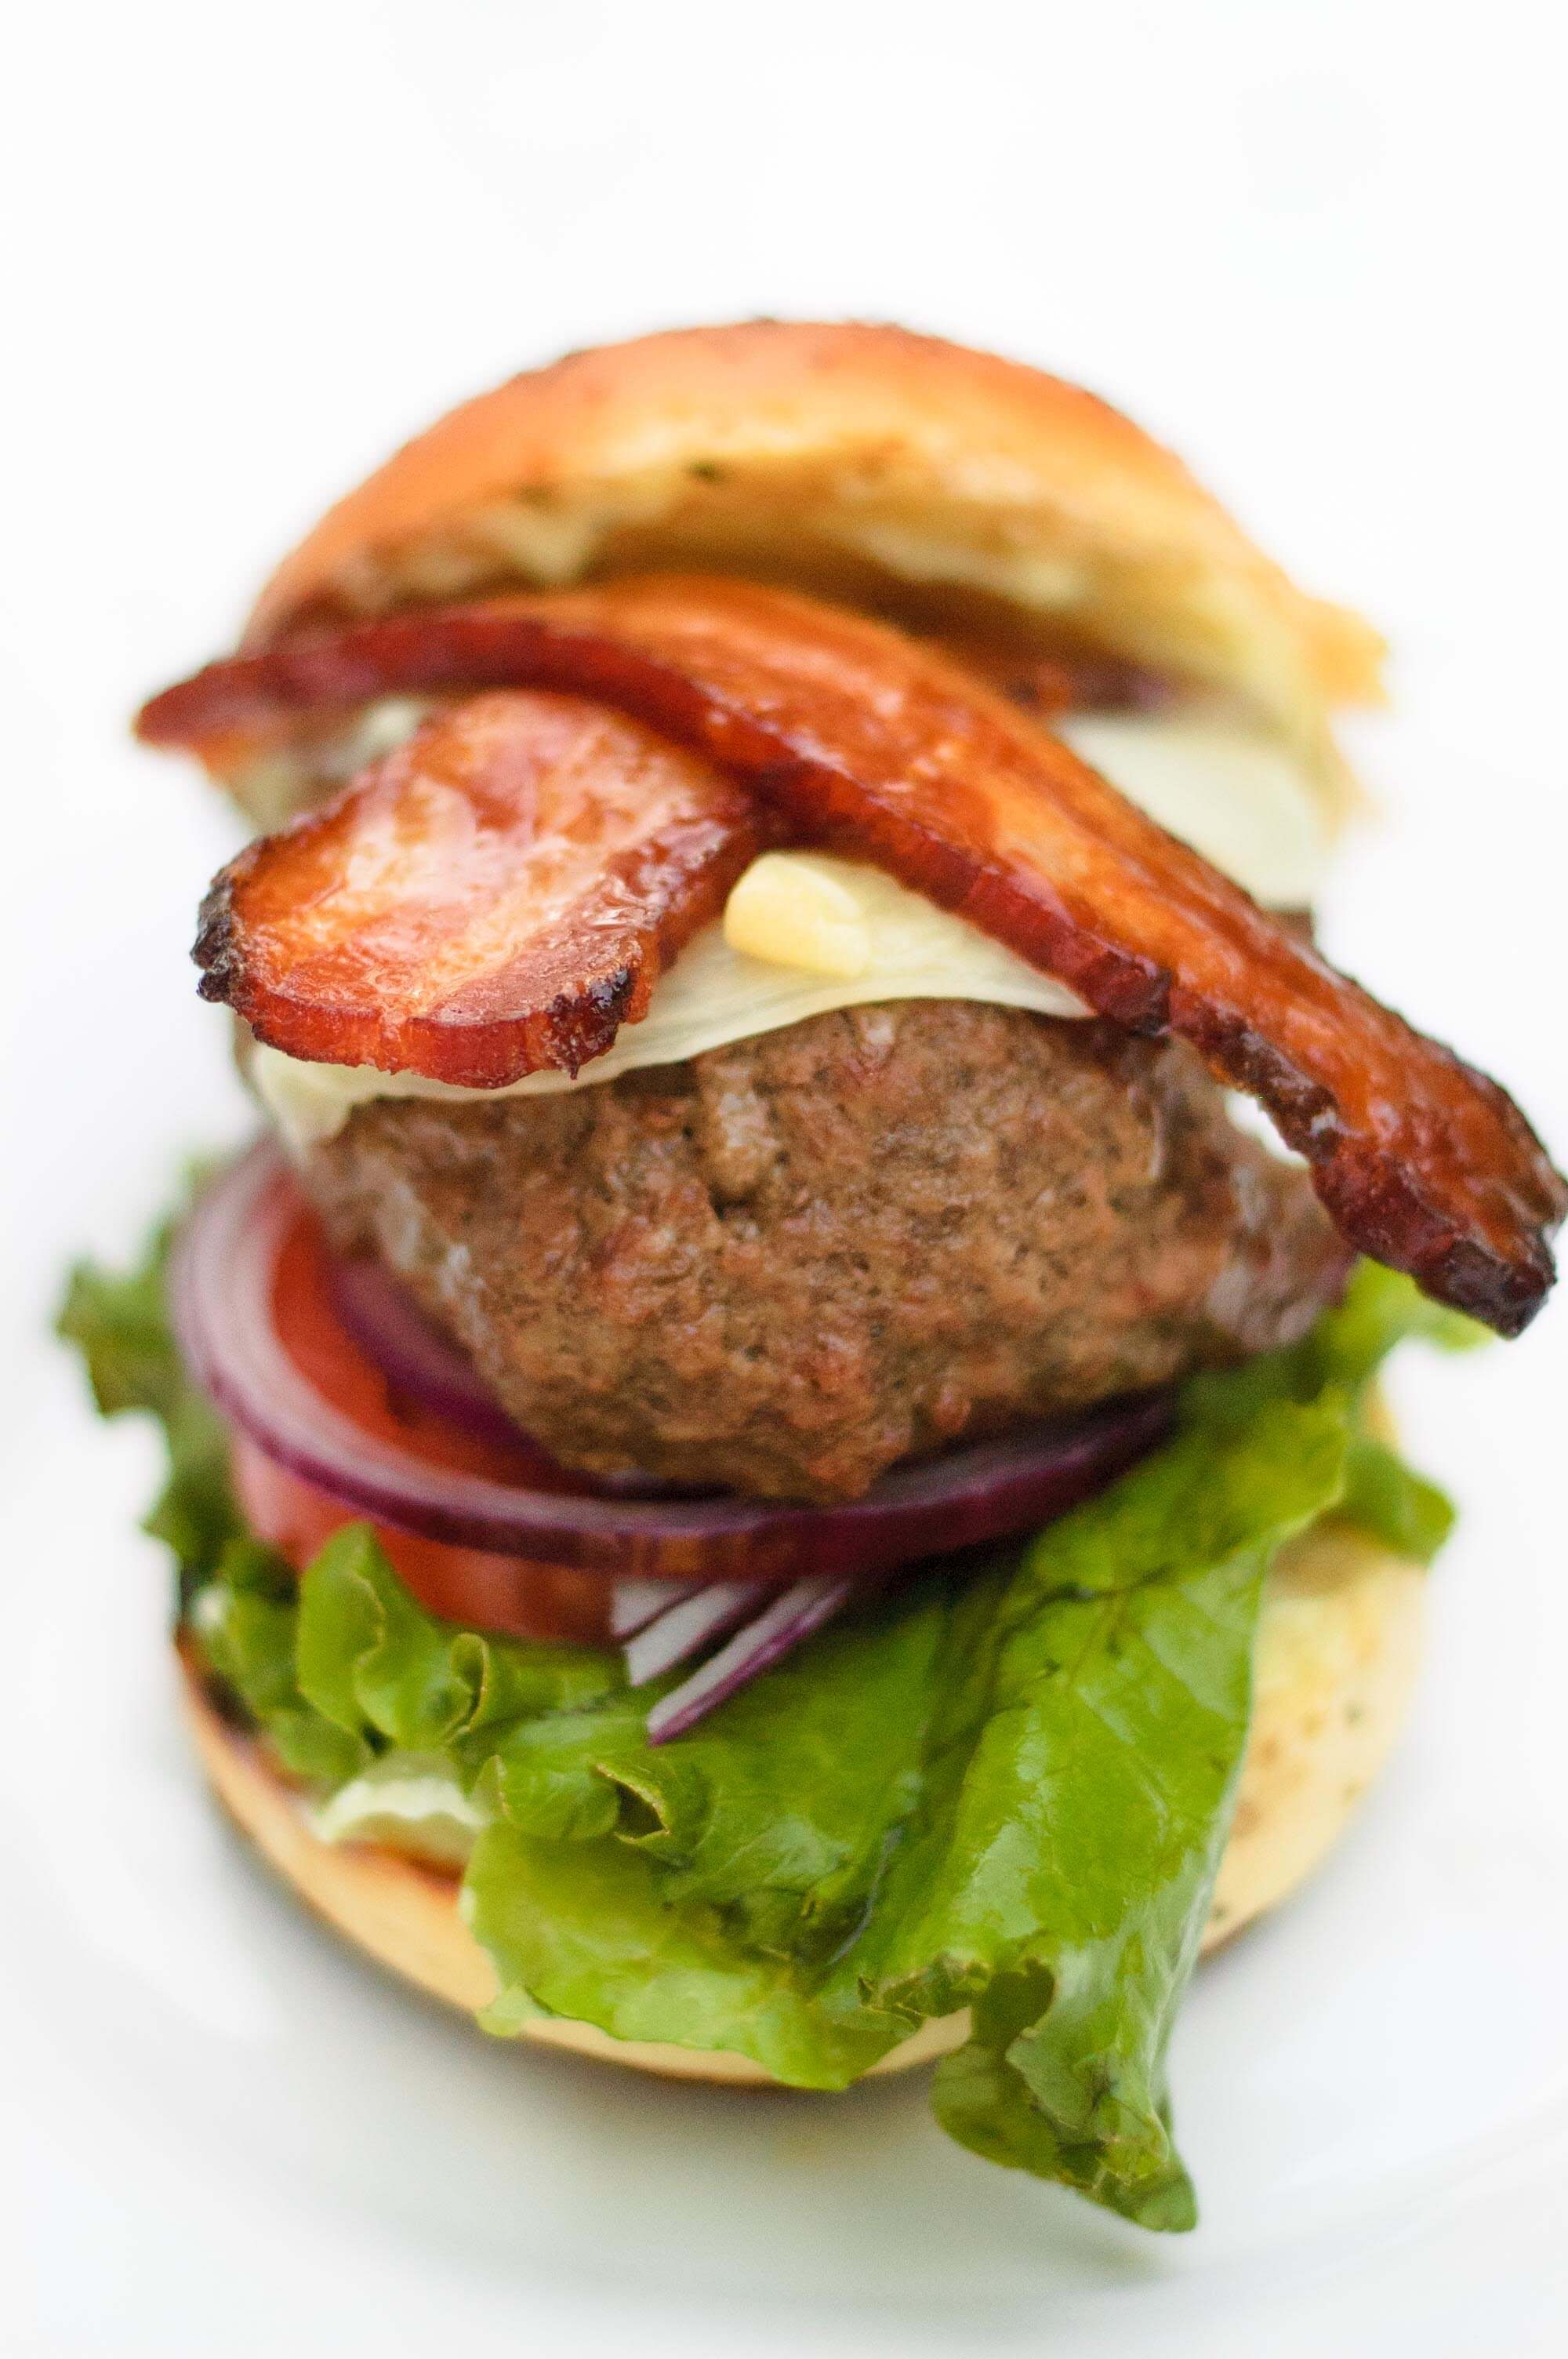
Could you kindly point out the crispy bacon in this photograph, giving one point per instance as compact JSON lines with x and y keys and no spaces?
{"x":864,"y":741}
{"x":499,"y":894}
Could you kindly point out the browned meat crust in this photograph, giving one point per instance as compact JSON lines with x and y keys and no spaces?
{"x":787,"y":1264}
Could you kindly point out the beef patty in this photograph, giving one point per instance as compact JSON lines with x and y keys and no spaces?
{"x":787,"y":1264}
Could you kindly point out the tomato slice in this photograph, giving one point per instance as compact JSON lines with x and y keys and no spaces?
{"x":517,"y":1595}
{"x":509,"y":1593}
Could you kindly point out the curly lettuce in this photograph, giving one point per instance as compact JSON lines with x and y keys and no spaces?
{"x":1003,"y":1786}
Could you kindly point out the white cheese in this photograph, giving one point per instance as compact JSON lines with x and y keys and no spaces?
{"x":1228,"y":788}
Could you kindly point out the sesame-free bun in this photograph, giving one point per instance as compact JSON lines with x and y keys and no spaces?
{"x":942,"y":486}
{"x":1337,"y":1654}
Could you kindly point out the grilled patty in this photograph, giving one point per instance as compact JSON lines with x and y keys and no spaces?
{"x":789,"y":1263}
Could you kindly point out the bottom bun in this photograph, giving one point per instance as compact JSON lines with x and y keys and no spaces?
{"x":1337,"y":1650}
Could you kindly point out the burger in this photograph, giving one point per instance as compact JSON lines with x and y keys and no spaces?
{"x":776,"y":1463}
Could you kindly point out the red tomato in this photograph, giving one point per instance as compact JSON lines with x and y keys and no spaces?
{"x":515,"y":1594}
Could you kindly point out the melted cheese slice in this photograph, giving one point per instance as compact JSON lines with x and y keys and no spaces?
{"x":1234,"y":792}
{"x":804,"y":933}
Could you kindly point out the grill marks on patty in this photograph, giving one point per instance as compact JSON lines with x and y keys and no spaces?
{"x":785,"y":1265}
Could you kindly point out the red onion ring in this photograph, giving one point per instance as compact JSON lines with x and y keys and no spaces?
{"x":222,"y":1287}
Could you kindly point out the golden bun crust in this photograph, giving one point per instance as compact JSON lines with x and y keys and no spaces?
{"x":1337,"y":1654}
{"x":867,"y":463}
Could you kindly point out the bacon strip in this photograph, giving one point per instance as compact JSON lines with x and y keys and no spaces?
{"x":499,"y":894}
{"x":864,"y":741}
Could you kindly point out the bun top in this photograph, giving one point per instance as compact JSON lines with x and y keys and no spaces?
{"x":944,"y":487}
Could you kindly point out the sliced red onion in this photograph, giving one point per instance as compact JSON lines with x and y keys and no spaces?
{"x":222,"y":1285}
{"x":794,"y":1614}
{"x":635,"y":1603}
{"x":684,"y":1629}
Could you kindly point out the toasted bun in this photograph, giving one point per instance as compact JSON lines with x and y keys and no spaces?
{"x":898,"y":472}
{"x":1337,"y":1654}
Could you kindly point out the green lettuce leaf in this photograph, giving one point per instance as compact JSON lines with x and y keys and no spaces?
{"x":1004,"y":1786}
{"x":120,"y":1325}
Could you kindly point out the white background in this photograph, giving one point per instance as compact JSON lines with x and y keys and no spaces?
{"x":1315,"y":244}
